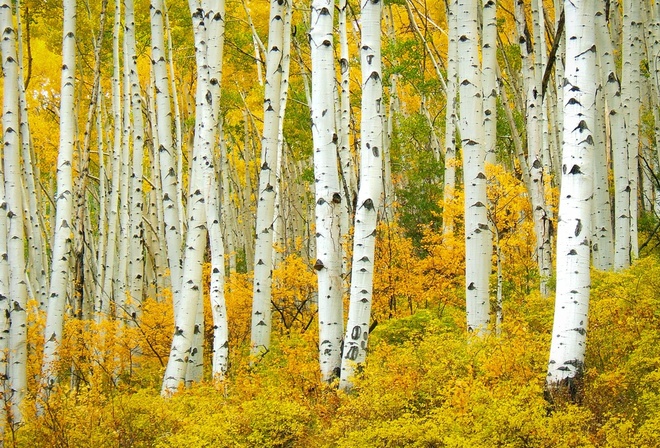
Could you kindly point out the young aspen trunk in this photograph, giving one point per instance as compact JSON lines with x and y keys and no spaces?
{"x":369,"y":195}
{"x":478,"y":246}
{"x":64,"y":201}
{"x":534,"y":126}
{"x":167,"y":152}
{"x":631,"y":100}
{"x":37,"y":253}
{"x":263,"y":257}
{"x":619,"y":144}
{"x":574,"y":226}
{"x":17,"y":369}
{"x":103,"y":311}
{"x":489,"y":63}
{"x":603,"y":241}
{"x":215,"y":21}
{"x":450,"y":115}
{"x":136,"y":252}
{"x":328,"y":193}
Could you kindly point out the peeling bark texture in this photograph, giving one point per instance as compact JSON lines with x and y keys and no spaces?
{"x":328,"y":192}
{"x":369,"y":195}
{"x":478,"y":245}
{"x":574,"y":227}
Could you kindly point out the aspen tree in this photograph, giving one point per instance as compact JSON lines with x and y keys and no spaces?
{"x":631,"y":95}
{"x":263,"y":257}
{"x":184,"y":363}
{"x":110,"y":263}
{"x":34,"y":231}
{"x":369,"y":195}
{"x":328,"y":194}
{"x":478,"y":246}
{"x":63,"y":201}
{"x":16,"y":373}
{"x":619,"y":143}
{"x":532,"y":77}
{"x":451,"y":120}
{"x":167,"y":152}
{"x":136,"y":247}
{"x":574,"y":226}
{"x":489,"y":73}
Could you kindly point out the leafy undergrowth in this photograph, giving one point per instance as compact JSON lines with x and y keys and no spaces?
{"x":426,"y":384}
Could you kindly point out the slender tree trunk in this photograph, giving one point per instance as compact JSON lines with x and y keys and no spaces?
{"x":369,"y":195}
{"x":631,"y":96}
{"x":64,"y":201}
{"x":619,"y":144}
{"x":167,"y":152}
{"x":136,"y":252}
{"x":263,"y":257}
{"x":450,"y":114}
{"x":478,"y":246}
{"x":328,"y":194}
{"x":573,"y":232}
{"x":16,"y":373}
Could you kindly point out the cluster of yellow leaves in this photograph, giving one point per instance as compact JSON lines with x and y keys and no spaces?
{"x":426,"y":383}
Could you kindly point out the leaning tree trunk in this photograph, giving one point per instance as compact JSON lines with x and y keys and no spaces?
{"x":64,"y":202}
{"x":369,"y":195}
{"x":573,"y":231}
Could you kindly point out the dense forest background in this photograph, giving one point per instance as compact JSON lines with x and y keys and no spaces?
{"x":140,"y":144}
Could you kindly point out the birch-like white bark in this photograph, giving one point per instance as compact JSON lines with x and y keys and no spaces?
{"x":369,"y":195}
{"x":451,"y":120}
{"x":631,"y":96}
{"x":16,"y":373}
{"x":328,"y":194}
{"x":489,"y":72}
{"x":263,"y":258}
{"x":619,"y":143}
{"x":103,"y":311}
{"x":167,"y":152}
{"x":574,"y":226}
{"x":59,"y":275}
{"x":478,"y":246}
{"x":136,"y":252}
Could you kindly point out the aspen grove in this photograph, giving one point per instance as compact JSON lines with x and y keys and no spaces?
{"x":330,"y":223}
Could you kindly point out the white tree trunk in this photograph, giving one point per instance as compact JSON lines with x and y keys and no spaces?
{"x":263,"y":257}
{"x":451,"y":124}
{"x":64,"y":201}
{"x":574,"y":226}
{"x":328,"y":194}
{"x":136,"y":256}
{"x":167,"y":152}
{"x":631,"y":96}
{"x":13,"y":209}
{"x":619,"y":144}
{"x":103,"y":311}
{"x":478,"y":246}
{"x":489,"y":63}
{"x":369,"y":195}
